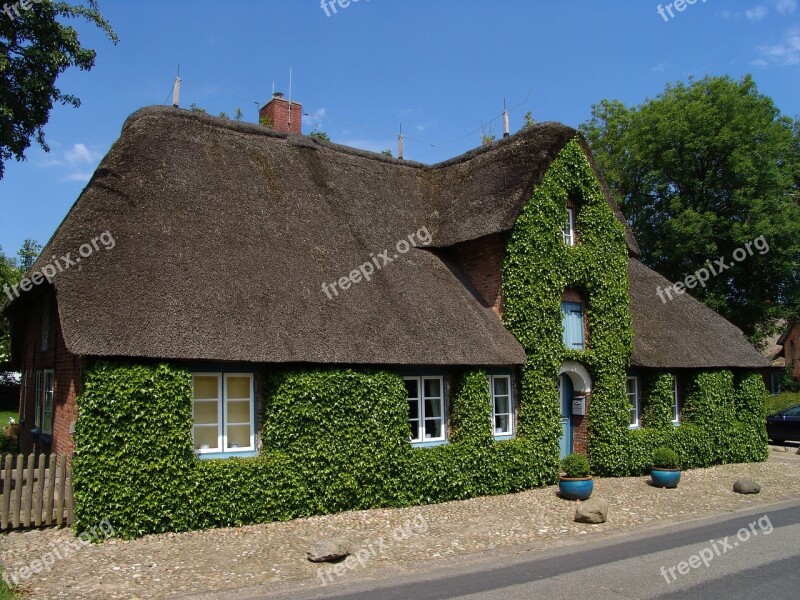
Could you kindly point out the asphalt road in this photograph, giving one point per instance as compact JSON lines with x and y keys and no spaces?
{"x":745,"y":555}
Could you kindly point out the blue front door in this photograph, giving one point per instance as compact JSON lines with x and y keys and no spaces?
{"x":565,"y":392}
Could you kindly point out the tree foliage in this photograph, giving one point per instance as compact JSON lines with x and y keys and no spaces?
{"x":35,"y":48}
{"x":701,"y":170}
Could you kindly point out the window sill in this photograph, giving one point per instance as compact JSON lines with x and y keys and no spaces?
{"x":676,"y":423}
{"x":224,"y":455}
{"x":432,"y":444}
{"x":633,"y":427}
{"x":502,"y":437}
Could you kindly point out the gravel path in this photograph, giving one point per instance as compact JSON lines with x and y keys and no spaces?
{"x":189,"y":564}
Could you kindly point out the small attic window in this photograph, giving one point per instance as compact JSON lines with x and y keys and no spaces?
{"x":569,"y":228}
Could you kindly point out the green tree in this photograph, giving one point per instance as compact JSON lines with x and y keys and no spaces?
{"x":27,"y":254}
{"x":529,"y":121}
{"x":35,"y":49}
{"x":9,"y":277}
{"x":701,"y":170}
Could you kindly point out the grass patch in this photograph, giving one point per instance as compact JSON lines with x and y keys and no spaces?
{"x":5,"y":592}
{"x":781,"y":401}
{"x":5,"y":415}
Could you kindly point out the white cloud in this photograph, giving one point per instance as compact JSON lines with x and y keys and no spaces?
{"x":785,"y":53}
{"x":80,"y":177}
{"x":756,"y":13}
{"x":786,"y":7}
{"x":79,"y":154}
{"x":659,"y":68}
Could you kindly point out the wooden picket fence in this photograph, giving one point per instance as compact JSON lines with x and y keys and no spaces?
{"x":36,"y":493}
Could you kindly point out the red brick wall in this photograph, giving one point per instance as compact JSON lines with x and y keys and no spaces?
{"x":580,"y":429}
{"x":67,"y":370}
{"x":481,"y":261}
{"x":277,"y":111}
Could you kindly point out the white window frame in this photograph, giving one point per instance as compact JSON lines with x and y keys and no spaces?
{"x":37,"y":404}
{"x":676,"y":407}
{"x":420,"y":438}
{"x":510,"y":415}
{"x":634,"y":405}
{"x":568,"y":231}
{"x":221,"y":402}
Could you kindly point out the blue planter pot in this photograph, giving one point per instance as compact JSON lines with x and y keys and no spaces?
{"x":579,"y":488}
{"x":665,"y":478}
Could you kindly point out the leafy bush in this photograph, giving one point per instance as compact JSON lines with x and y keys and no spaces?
{"x":666,"y":458}
{"x":575,"y":465}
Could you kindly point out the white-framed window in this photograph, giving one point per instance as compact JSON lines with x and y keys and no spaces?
{"x":223,"y":412}
{"x":569,"y":228}
{"x":37,"y":402}
{"x":425,"y":408}
{"x":676,"y":413}
{"x":632,"y":391}
{"x":45,"y":324}
{"x":502,"y":405}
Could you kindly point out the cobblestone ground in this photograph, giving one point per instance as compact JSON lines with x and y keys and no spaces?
{"x":189,"y":564}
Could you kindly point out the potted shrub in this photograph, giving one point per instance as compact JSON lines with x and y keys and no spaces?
{"x":666,"y":469}
{"x":575,"y":482}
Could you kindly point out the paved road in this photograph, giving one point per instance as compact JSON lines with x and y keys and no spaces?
{"x":753,"y":555}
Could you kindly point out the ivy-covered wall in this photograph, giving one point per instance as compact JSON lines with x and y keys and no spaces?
{"x":537,"y":269}
{"x":334,"y":439}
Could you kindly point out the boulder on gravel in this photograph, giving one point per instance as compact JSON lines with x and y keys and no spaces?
{"x":593,"y":510}
{"x":330,"y":550}
{"x":746,"y":486}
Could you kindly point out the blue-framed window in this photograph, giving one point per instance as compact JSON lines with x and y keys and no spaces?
{"x":224,"y":414}
{"x":572,"y":320}
{"x":426,"y":418}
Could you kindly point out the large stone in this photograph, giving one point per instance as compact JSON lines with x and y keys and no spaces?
{"x":746,"y":486}
{"x":330,"y":550}
{"x":593,"y":510}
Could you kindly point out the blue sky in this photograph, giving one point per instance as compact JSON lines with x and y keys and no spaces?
{"x":441,"y":67}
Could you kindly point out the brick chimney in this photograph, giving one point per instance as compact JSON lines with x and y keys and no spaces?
{"x":277,"y":114}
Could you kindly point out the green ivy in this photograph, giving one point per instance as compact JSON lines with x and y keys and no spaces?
{"x":134,"y":462}
{"x":334,"y":440}
{"x":657,"y":401}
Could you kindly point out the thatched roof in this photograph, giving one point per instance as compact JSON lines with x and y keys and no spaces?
{"x":682,"y":332}
{"x":225,"y":233}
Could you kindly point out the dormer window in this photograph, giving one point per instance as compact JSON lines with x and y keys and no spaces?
{"x":569,"y":228}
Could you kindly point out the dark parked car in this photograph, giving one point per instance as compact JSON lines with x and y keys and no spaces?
{"x":784,"y":425}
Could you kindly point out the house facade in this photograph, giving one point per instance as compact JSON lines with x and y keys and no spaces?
{"x":240,"y":252}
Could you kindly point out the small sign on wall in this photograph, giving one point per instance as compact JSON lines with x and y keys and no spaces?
{"x":579,"y":406}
